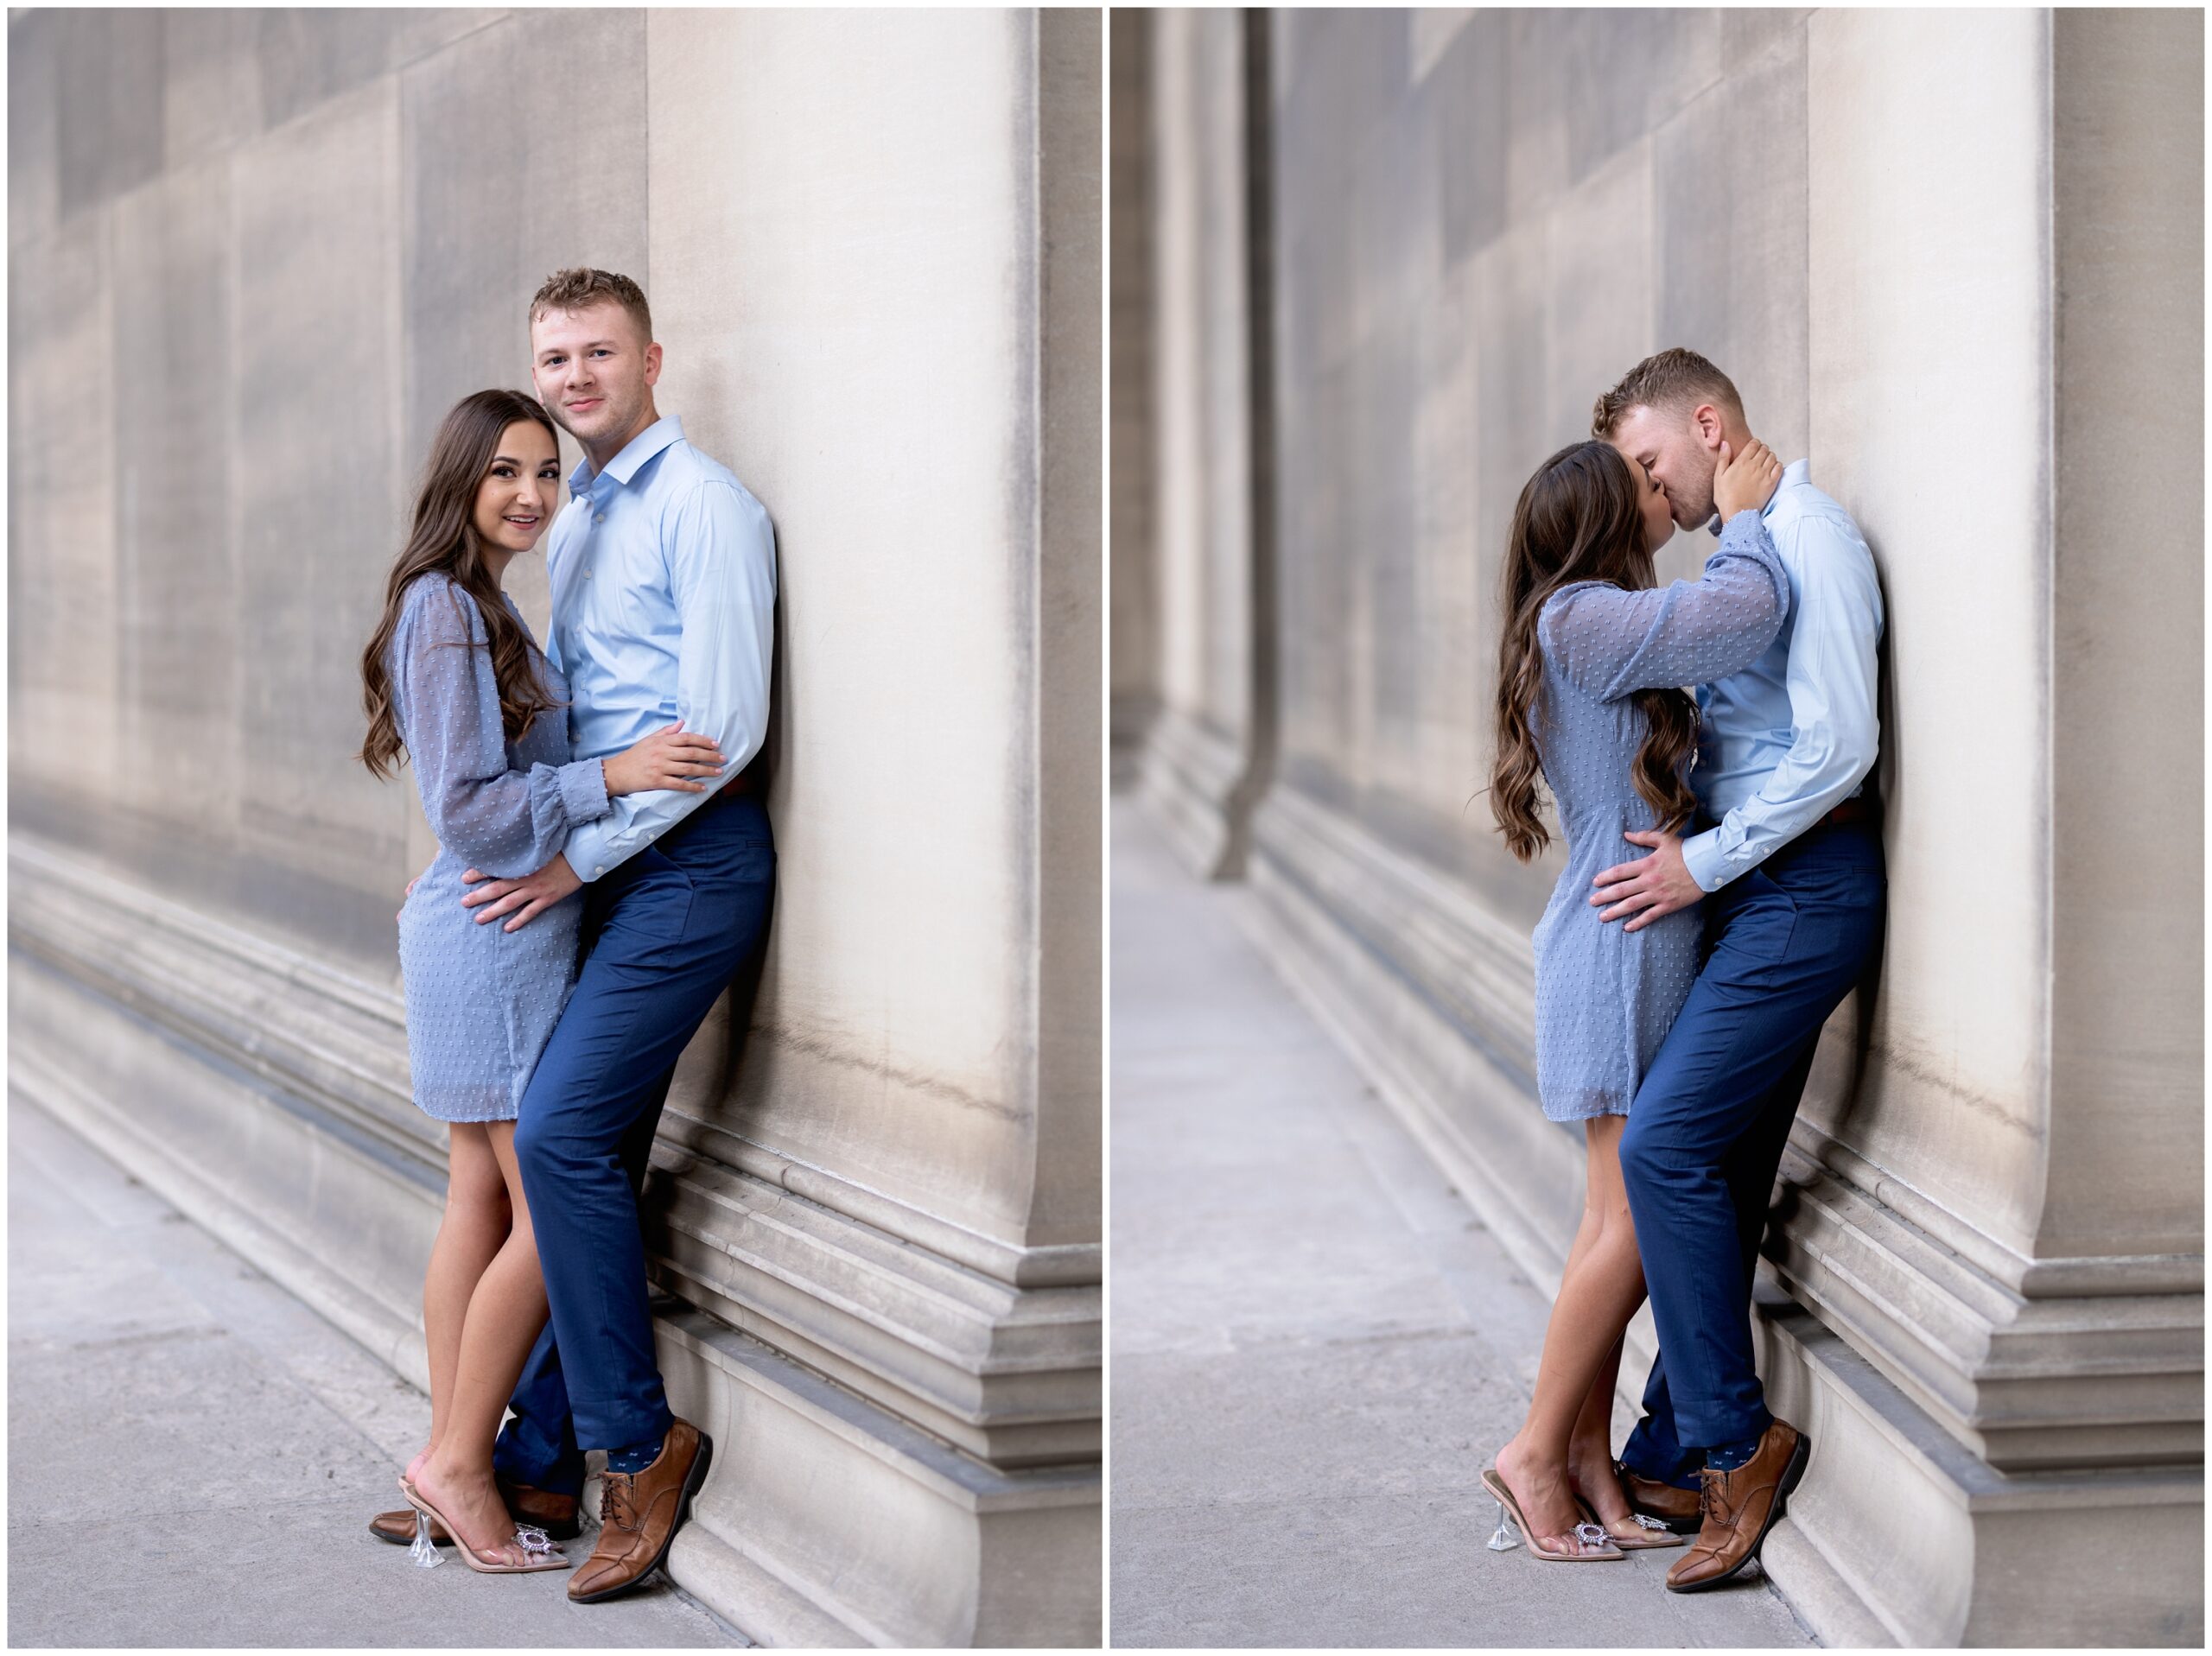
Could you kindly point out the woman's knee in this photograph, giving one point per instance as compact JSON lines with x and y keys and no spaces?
{"x":473,"y":1181}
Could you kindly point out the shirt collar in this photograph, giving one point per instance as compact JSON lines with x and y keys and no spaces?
{"x":640,"y":449}
{"x":1797,"y":472}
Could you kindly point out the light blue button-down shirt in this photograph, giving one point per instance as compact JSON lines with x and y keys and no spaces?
{"x":664,"y":574}
{"x":1793,"y":735}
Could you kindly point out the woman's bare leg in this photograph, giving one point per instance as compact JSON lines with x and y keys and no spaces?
{"x":1599,"y":1291}
{"x":505,"y":1314}
{"x":473,"y":1230}
{"x":1590,"y":1452}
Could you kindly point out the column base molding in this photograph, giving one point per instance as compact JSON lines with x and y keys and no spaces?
{"x":2089,"y":1403}
{"x":272,"y":1108}
{"x":1435,"y":999}
{"x":1900,"y":1536}
{"x":1187,"y":776}
{"x":2036,"y":1381}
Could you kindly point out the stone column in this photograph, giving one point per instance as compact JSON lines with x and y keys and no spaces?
{"x":1999,"y":1206}
{"x":1134,"y":560}
{"x":1205,"y":739}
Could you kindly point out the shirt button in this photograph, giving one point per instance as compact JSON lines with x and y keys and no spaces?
{"x":587,"y":574}
{"x":600,"y":870}
{"x":599,"y":517}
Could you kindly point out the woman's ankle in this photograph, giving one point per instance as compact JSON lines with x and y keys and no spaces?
{"x":451,"y":1472}
{"x":1530,"y":1462}
{"x":1590,"y":1459}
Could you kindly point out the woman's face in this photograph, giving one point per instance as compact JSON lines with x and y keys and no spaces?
{"x":1651,"y":501}
{"x":516,"y":500}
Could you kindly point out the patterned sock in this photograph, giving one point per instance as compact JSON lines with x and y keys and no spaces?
{"x":1728,"y":1456}
{"x":634,"y":1459}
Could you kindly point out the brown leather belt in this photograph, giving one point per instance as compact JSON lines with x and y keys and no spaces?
{"x":752,"y":779}
{"x":1859,"y":809}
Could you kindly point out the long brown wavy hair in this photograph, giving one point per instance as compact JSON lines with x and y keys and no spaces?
{"x":1577,"y":519}
{"x":444,"y":542}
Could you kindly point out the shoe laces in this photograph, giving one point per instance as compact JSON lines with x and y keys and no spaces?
{"x":617,"y":1502}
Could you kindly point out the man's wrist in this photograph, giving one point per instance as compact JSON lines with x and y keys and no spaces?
{"x":585,"y":851}
{"x":1701,"y":860}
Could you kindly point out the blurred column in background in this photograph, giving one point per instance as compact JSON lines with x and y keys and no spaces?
{"x":1957,"y":260}
{"x":254,"y":256}
{"x":1134,"y":646}
{"x":1206,"y":723}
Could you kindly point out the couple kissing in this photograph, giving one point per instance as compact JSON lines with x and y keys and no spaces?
{"x":1680,"y":992}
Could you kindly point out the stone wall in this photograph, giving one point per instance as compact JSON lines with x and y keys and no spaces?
{"x":1955,"y":259}
{"x":1133,"y":648}
{"x":254,"y":256}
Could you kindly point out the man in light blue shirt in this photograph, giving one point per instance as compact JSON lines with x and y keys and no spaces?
{"x":664,"y":577}
{"x":1788,"y":857}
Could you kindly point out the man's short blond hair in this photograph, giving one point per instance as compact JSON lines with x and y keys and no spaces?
{"x":577,"y":290}
{"x":1671,"y":380}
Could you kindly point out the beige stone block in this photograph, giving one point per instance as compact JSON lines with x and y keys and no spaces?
{"x":1729,"y":209}
{"x":1598,"y":259}
{"x":1467,"y":100}
{"x":321,"y":503}
{"x":1435,"y":30}
{"x":1629,"y":70}
{"x":179,"y":665}
{"x":63,"y":657}
{"x":307,"y":54}
{"x":107,"y":69}
{"x":34,"y":126}
{"x":491,"y":208}
{"x":211,"y":81}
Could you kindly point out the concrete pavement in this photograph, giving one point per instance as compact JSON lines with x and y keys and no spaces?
{"x":1316,"y":1345}
{"x":194,"y":1455}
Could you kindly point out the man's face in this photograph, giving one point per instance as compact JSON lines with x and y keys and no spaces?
{"x":1680,"y":450}
{"x":593,"y":373}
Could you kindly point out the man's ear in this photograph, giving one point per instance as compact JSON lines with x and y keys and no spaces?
{"x":1707,"y":420}
{"x":652,"y":365}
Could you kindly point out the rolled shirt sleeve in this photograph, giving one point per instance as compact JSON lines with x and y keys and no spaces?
{"x":1832,"y":680}
{"x":721,"y":554}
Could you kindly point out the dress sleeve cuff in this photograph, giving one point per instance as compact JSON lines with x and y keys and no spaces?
{"x":583,"y":790}
{"x":1702,"y":856}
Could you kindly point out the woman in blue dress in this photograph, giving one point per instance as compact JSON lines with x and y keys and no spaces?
{"x":453,"y":677}
{"x":1591,"y":668}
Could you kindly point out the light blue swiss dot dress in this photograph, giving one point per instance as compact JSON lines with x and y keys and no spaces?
{"x":1606,"y":997}
{"x":481,"y":1001}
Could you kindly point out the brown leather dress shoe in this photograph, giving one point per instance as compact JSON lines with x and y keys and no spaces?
{"x":398,"y":1528}
{"x":554,"y":1513}
{"x":1740,"y":1507}
{"x":1678,"y":1509}
{"x":527,"y":1503}
{"x":639,"y":1513}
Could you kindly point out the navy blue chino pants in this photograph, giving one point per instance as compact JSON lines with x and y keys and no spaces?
{"x":664,"y":934}
{"x":1784,"y":945}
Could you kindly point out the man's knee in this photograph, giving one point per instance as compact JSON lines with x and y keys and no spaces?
{"x":545,"y":1147}
{"x":1650,"y":1160}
